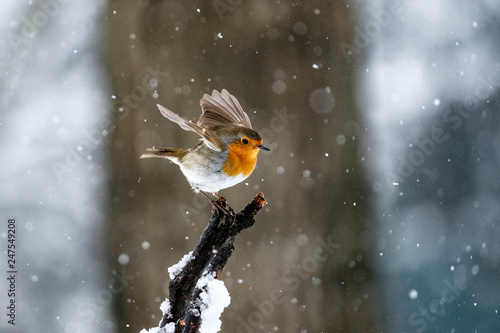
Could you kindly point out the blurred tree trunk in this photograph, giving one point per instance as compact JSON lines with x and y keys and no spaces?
{"x":284,"y":61}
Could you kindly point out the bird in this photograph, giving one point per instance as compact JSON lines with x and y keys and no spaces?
{"x":227,"y":152}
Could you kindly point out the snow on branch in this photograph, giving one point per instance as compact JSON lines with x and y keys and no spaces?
{"x":196,"y":298}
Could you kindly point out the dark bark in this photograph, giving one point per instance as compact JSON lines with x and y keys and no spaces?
{"x":209,"y":257}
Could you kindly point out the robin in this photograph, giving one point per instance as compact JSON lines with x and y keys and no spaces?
{"x":228,"y":148}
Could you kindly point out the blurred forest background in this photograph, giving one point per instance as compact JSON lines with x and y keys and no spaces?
{"x":268,"y":56}
{"x":382,"y":180}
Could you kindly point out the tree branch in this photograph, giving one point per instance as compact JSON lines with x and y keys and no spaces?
{"x":208,"y":257}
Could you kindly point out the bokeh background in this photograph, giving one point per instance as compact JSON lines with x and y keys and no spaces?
{"x":383,"y":178}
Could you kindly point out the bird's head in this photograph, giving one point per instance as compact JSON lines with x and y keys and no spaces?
{"x":243,"y":140}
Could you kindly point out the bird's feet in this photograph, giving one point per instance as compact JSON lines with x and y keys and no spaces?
{"x":220,"y":203}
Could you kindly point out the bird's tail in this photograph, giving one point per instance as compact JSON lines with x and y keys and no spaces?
{"x":172,"y":154}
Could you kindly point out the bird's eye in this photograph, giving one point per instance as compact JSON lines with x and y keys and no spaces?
{"x":244,"y":141}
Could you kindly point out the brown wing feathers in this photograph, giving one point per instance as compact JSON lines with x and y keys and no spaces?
{"x":164,"y":153}
{"x":243,"y":117}
{"x":183,"y":123}
{"x":222,"y":109}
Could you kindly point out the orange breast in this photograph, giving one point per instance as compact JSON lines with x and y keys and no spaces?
{"x":240,"y":160}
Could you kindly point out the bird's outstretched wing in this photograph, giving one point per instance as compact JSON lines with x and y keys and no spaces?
{"x":210,"y":138}
{"x":222,"y":108}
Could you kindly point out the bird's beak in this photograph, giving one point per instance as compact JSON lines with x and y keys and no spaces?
{"x":261,"y":147}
